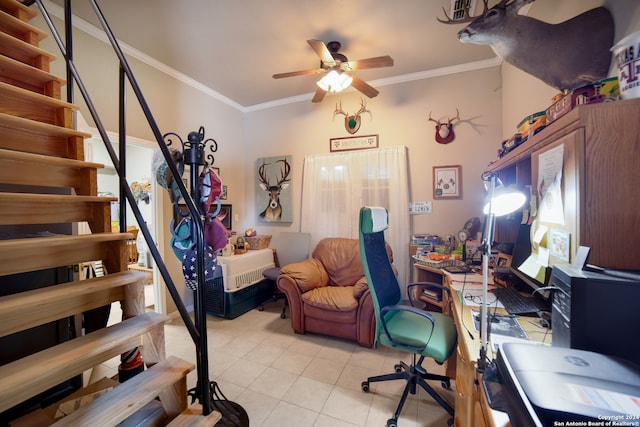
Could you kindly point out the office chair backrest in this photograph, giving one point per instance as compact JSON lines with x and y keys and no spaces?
{"x":292,"y":247}
{"x":382,"y":280}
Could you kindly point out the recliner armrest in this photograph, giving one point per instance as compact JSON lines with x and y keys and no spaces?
{"x":307,"y":275}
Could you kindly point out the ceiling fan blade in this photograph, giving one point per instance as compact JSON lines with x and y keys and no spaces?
{"x":377,"y":62}
{"x":364,"y":87}
{"x":319,"y":95}
{"x":322,"y":51}
{"x":298,"y":73}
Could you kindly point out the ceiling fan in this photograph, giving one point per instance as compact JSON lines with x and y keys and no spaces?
{"x":338,"y":70}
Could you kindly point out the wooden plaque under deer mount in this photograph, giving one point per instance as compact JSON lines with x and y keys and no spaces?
{"x":274,"y":201}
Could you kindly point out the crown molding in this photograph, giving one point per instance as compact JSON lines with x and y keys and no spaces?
{"x":99,"y":34}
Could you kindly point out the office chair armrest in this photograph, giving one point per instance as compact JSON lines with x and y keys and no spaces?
{"x":410,"y":309}
{"x":429,"y":284}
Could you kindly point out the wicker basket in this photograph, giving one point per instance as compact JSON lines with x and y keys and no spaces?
{"x":260,"y":241}
{"x":438,"y":264}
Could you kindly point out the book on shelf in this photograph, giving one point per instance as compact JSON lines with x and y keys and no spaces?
{"x":432,"y":294}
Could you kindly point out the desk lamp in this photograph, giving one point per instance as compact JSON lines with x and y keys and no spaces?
{"x":499,"y":202}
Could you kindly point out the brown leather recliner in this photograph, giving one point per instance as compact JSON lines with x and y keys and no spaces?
{"x":328,"y":293}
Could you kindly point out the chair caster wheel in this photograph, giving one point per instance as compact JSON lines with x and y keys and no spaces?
{"x":392,"y":423}
{"x":397,"y":367}
{"x":450,"y":422}
{"x":365,"y":386}
{"x":283,"y":316}
{"x":446,"y":384}
{"x":260,"y":308}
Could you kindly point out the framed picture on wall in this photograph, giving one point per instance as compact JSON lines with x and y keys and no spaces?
{"x":225,"y":215}
{"x":274,"y":199}
{"x":447,"y":182}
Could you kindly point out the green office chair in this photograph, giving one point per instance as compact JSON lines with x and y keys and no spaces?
{"x":402,"y":327}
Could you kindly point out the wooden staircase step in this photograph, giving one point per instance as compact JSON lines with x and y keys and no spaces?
{"x":21,"y":255}
{"x":25,"y":52}
{"x":116,"y":405}
{"x":17,"y":167}
{"x":27,"y":208}
{"x":56,"y":302}
{"x":192,"y":417}
{"x":17,"y":9}
{"x":34,"y":106}
{"x":30,"y":78}
{"x":36,"y":373}
{"x":21,"y":29}
{"x":30,"y":136}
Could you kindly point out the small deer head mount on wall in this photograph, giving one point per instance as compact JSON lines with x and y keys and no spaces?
{"x":444,"y":131}
{"x":352,"y":122}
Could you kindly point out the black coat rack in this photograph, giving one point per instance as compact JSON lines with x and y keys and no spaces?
{"x":194,"y":154}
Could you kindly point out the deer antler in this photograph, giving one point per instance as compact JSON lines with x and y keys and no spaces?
{"x":262,"y":177}
{"x":363,"y":108}
{"x":466,"y":17}
{"x":284,"y":175}
{"x":433,"y":120}
{"x":457,"y":117}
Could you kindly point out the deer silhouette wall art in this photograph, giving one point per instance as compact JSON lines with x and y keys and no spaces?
{"x":566,"y":55}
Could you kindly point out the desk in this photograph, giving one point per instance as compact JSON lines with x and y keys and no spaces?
{"x":424,"y":273}
{"x":471,"y":406}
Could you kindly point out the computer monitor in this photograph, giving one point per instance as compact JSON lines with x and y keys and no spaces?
{"x":521,"y":252}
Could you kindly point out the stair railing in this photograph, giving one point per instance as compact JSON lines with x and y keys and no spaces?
{"x":196,"y":329}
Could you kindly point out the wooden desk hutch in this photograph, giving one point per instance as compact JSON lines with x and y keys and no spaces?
{"x":600,"y":179}
{"x":600,"y":182}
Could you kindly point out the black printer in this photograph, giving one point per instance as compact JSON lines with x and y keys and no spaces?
{"x":555,"y":386}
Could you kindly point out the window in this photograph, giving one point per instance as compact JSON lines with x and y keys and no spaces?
{"x":336,"y":186}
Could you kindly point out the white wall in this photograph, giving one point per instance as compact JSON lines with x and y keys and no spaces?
{"x":491,"y":103}
{"x":176,"y":106}
{"x":399,"y":115}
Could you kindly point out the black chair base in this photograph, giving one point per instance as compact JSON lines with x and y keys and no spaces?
{"x":414,"y":375}
{"x":276,"y":297}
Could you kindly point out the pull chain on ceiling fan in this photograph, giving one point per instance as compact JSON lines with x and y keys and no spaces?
{"x":338,"y":70}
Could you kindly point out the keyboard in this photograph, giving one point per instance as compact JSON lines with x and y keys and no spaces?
{"x":458,"y":269}
{"x":516,"y":303}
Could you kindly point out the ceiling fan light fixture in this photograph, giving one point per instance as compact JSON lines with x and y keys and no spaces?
{"x":334,"y":81}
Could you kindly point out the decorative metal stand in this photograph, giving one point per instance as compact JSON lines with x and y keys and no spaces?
{"x":207,"y":392}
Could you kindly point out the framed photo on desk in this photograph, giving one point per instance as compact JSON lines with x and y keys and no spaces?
{"x":503,"y":260}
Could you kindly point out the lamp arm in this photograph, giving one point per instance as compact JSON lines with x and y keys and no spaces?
{"x":486,"y":252}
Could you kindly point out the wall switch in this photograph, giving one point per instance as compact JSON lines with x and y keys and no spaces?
{"x":419,"y":208}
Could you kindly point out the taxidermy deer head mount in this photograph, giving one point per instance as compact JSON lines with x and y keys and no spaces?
{"x":444,"y":131}
{"x":352,"y":122}
{"x":565,"y":55}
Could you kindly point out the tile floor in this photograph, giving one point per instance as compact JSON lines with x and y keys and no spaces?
{"x":284,"y":379}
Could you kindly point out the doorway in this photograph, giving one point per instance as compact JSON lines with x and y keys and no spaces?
{"x":144,"y":187}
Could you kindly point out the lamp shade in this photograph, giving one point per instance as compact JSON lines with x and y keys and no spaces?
{"x":504,"y":201}
{"x":334,"y":81}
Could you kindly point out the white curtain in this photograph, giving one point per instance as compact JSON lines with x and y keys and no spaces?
{"x":336,"y":186}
